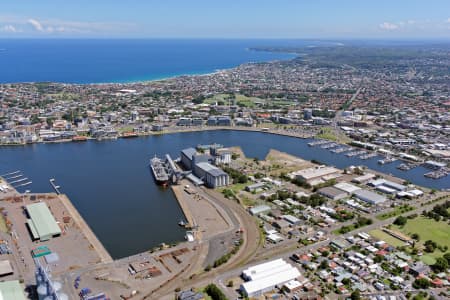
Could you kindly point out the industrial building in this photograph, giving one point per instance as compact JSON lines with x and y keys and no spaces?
{"x":11,"y":290}
{"x":260,"y":209}
{"x":369,"y":197}
{"x":265,"y":277}
{"x":186,"y":157}
{"x":212,"y":176}
{"x":332,"y":193}
{"x":5,"y":268}
{"x":219,"y":121}
{"x":316,"y":174}
{"x":42,"y":224}
{"x":347,"y":187}
{"x":202,"y":169}
{"x":386,"y":183}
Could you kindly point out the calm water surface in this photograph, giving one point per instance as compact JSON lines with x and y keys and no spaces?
{"x":110,"y":183}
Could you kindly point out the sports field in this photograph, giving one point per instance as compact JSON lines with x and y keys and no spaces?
{"x":428,"y":229}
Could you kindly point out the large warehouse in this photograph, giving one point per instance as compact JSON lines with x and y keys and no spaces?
{"x":42,"y":224}
{"x":11,"y":290}
{"x":316,"y":174}
{"x":265,"y":277}
{"x":202,"y":169}
{"x":369,"y":197}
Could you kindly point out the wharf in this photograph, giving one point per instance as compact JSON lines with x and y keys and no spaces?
{"x":180,"y":195}
{"x":84,"y":227}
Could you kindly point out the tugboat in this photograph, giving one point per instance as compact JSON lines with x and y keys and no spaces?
{"x":159,"y":171}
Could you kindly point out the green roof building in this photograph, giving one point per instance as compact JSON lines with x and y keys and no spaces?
{"x":11,"y":290}
{"x":42,"y":224}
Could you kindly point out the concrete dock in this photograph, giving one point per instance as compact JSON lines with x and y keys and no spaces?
{"x":84,"y":227}
{"x":179,"y":193}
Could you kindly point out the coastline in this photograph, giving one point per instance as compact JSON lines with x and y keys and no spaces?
{"x":176,"y":130}
{"x":170,"y":76}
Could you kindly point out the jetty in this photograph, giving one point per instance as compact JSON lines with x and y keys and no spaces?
{"x":55,"y":187}
{"x":87,"y":231}
{"x":8,"y":174}
{"x":180,"y":196}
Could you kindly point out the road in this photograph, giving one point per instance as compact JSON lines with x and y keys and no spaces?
{"x":221,"y":280}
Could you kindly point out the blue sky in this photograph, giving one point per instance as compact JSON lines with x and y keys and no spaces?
{"x":407,"y":19}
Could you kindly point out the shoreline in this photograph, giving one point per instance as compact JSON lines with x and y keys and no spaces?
{"x":177,"y":191}
{"x":168,"y":76}
{"x":177,"y":130}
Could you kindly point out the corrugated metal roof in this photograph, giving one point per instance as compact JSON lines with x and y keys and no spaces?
{"x":11,"y":290}
{"x":43,"y":220}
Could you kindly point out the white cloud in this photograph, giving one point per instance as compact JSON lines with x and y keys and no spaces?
{"x":389,"y":26}
{"x":9,"y":29}
{"x":23,"y":24}
{"x":36,"y":25}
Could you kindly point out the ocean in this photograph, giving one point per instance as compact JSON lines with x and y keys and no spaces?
{"x":126,"y":60}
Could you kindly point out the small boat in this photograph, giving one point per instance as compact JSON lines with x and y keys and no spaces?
{"x":189,"y":236}
{"x":129,"y":134}
{"x":79,"y":138}
{"x":182,"y":223}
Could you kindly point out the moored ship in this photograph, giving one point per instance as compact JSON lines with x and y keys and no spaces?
{"x":159,"y":171}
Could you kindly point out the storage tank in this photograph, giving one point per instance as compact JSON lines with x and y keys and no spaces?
{"x":42,"y":291}
{"x":56,"y":286}
{"x":62,"y":296}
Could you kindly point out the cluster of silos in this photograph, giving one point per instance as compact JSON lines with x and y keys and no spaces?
{"x":46,"y":288}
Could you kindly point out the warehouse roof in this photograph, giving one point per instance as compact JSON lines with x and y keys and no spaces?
{"x":5,"y":267}
{"x":11,"y":290}
{"x":259,"y":209}
{"x":315,"y":172}
{"x":42,"y":221}
{"x":268,"y":275}
{"x":347,"y":187}
{"x":332,"y":192}
{"x":369,"y":196}
{"x":189,"y":152}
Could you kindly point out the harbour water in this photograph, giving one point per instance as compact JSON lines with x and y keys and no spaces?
{"x":111,"y":185}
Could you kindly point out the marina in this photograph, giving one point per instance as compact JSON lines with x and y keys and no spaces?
{"x":387,"y":160}
{"x":129,"y":183}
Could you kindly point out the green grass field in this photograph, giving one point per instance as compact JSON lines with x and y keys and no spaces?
{"x":381,"y":235}
{"x":428,"y":229}
{"x":241,"y":100}
{"x":428,"y":259}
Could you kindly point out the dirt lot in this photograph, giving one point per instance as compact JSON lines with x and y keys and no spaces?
{"x":72,"y":247}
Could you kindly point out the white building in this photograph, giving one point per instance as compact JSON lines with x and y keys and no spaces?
{"x":265,"y":277}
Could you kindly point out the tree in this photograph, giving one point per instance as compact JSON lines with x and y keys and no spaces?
{"x":356,"y":295}
{"x":447,"y":257}
{"x":430,"y":246}
{"x":378,"y":258}
{"x":323,"y":264}
{"x":214,"y":292}
{"x":440,"y":265}
{"x":400,"y":221}
{"x":421,"y":283}
{"x":415,"y":236}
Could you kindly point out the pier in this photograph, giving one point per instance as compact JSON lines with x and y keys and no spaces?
{"x":84,"y":227}
{"x":55,"y":187}
{"x":180,"y":196}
